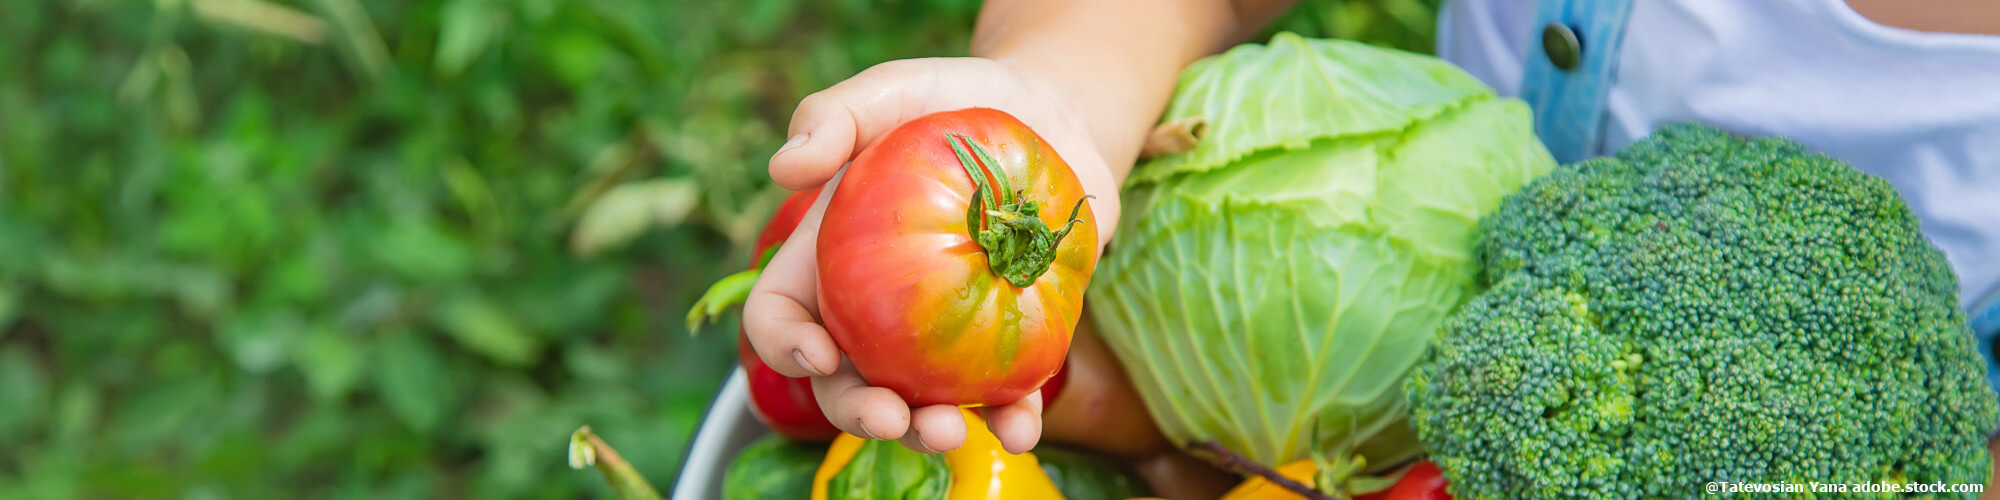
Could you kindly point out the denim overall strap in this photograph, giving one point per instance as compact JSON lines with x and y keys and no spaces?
{"x":1569,"y":103}
{"x":1985,"y":320}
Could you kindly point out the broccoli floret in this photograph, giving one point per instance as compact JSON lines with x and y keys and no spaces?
{"x":1703,"y":308}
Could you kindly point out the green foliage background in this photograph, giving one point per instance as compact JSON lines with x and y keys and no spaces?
{"x":387,"y":249}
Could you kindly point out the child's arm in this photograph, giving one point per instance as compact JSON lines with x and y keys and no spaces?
{"x":1090,"y":76}
{"x":1114,"y":62}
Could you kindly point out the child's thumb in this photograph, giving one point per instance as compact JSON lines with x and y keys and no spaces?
{"x":833,"y":125}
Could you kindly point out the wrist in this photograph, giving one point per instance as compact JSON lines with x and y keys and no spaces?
{"x":1102,"y":100}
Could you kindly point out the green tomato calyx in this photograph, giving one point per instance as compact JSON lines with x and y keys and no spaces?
{"x":1005,"y":223}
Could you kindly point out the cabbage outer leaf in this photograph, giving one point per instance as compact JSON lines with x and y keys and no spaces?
{"x":1272,"y":288}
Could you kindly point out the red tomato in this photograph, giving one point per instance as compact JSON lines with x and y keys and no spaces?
{"x":784,"y":404}
{"x":1423,"y":482}
{"x":953,"y":259}
{"x":781,"y":225}
{"x":1054,"y":386}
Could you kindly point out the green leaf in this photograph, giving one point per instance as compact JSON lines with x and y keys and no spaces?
{"x":624,"y":212}
{"x":329,"y":360}
{"x":887,"y":470}
{"x":468,"y":27}
{"x":421,"y":251}
{"x":365,"y":48}
{"x":578,"y":56}
{"x":468,"y":187}
{"x":203,"y":292}
{"x":10,"y":307}
{"x":260,"y":342}
{"x":264,"y":17}
{"x":763,"y":18}
{"x":586,"y":360}
{"x":77,"y":412}
{"x":412,"y":380}
{"x":303,"y":275}
{"x":773,"y":467}
{"x":24,"y":389}
{"x":485,"y":329}
{"x":165,"y":408}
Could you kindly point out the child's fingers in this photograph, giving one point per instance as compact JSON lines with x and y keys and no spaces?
{"x":936,"y":429}
{"x":856,"y":408}
{"x":781,"y":315}
{"x":1018,"y":425}
{"x":831,"y":126}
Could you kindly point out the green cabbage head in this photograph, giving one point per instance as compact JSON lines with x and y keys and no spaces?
{"x":1270,"y":289}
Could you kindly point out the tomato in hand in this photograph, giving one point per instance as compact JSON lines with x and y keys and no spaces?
{"x":953,"y":259}
{"x":784,"y":404}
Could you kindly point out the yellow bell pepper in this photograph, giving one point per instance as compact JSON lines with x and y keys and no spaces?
{"x":1258,"y":488}
{"x":980,"y":470}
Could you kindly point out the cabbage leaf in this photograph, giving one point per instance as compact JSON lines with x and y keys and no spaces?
{"x":1271,"y":288}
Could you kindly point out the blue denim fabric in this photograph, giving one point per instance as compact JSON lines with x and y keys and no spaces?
{"x":1985,"y":321}
{"x":1569,"y":104}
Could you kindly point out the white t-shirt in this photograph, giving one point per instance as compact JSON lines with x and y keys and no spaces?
{"x":1919,"y":109}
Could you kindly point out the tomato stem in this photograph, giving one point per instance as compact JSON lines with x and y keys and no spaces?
{"x":1238,"y":463}
{"x":1005,"y":223}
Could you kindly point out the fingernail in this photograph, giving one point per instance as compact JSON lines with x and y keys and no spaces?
{"x":920,"y":442}
{"x":793,"y":142}
{"x":799,"y":356}
{"x":863,"y":425}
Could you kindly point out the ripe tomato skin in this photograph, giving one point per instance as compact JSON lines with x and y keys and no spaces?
{"x":782,"y":223}
{"x":1423,"y":482}
{"x":907,"y":292}
{"x":784,"y":404}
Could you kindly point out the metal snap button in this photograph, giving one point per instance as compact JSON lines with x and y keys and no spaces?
{"x":1562,"y":46}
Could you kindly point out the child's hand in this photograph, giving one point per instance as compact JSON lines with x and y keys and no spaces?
{"x":781,"y":316}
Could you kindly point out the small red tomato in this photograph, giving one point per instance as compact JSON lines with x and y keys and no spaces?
{"x":782,"y":223}
{"x":1423,"y":482}
{"x":1054,"y":386}
{"x":784,"y":404}
{"x":953,"y":259}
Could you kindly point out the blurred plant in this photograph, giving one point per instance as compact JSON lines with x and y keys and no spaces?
{"x":586,"y":449}
{"x":383,"y":249}
{"x":1404,"y":24}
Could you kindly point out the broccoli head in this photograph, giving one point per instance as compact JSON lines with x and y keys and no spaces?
{"x":1703,"y":308}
